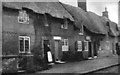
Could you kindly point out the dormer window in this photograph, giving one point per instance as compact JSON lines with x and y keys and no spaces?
{"x":23,"y":17}
{"x":64,"y":25}
{"x":81,"y":30}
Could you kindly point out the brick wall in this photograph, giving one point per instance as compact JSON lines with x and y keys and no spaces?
{"x":12,"y":30}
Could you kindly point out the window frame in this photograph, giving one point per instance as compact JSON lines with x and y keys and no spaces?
{"x":79,"y":46}
{"x":24,"y":38}
{"x":87,"y":45}
{"x":64,"y":25}
{"x":23,"y":15}
{"x":65,"y":44}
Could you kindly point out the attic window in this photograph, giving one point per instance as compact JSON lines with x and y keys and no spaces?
{"x":23,"y":17}
{"x":64,"y":25}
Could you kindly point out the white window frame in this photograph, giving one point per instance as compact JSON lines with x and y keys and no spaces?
{"x":65,"y":24}
{"x":23,"y":16}
{"x":81,"y":33}
{"x":87,"y":49}
{"x":65,"y":45}
{"x":78,"y":43}
{"x":24,"y":37}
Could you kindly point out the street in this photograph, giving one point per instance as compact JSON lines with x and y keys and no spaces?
{"x":111,"y":70}
{"x":114,"y":69}
{"x":99,"y":65}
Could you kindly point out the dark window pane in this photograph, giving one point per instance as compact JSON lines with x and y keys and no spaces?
{"x":26,"y":45}
{"x":22,"y":44}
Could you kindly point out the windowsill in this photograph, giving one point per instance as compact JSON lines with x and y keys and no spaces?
{"x":64,"y":28}
{"x":64,"y":51}
{"x":79,"y":51}
{"x":80,"y":33}
{"x":23,"y":22}
{"x":86,"y":50}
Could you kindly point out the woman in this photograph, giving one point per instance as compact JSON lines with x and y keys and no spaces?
{"x":47,"y":54}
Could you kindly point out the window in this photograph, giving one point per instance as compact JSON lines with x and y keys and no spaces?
{"x":65,"y":45}
{"x":86,"y":45}
{"x":24,"y":44}
{"x":81,"y":30}
{"x":79,"y":43}
{"x":64,"y":25}
{"x":65,"y":42}
{"x":23,"y":17}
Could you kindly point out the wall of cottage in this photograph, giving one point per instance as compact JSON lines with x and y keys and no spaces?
{"x":70,"y":34}
{"x":108,"y":46}
{"x":36,"y":31}
{"x":12,"y":30}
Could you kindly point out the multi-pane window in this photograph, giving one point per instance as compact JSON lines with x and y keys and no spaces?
{"x":65,"y":45}
{"x":79,"y":43}
{"x":64,"y":25}
{"x":24,"y":44}
{"x":23,"y":17}
{"x":86,"y":45}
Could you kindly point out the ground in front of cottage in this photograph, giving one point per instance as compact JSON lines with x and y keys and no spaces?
{"x":81,"y":67}
{"x":84,"y":66}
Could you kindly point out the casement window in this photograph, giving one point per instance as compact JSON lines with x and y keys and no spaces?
{"x":45,"y":20}
{"x":81,"y":30}
{"x":24,"y":44}
{"x":23,"y":17}
{"x":64,"y":25}
{"x":79,"y":45}
{"x":64,"y":44}
{"x":86,"y":45}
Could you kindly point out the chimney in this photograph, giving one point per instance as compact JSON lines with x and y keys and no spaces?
{"x":82,"y":4}
{"x":105,"y":13}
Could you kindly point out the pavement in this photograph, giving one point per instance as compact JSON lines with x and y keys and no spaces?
{"x":84,"y":67}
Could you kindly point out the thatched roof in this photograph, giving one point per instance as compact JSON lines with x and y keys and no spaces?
{"x":99,"y":24}
{"x":90,"y":20}
{"x":113,"y":29}
{"x":77,"y":13}
{"x":55,"y":9}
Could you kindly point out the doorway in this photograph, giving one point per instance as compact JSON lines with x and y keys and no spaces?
{"x":57,"y":50}
{"x":45,"y":46}
{"x":90,"y":51}
{"x":95,"y":48}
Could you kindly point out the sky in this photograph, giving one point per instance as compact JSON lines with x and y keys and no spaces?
{"x":98,"y":6}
